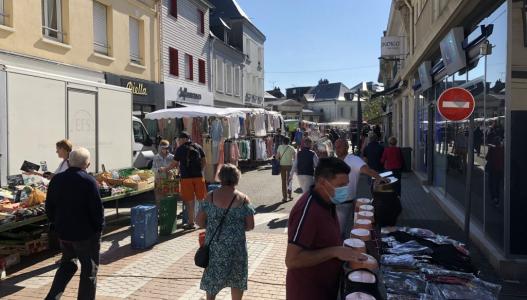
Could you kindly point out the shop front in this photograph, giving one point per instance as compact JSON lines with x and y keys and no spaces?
{"x":442,"y":147}
{"x":147,"y":96}
{"x":177,"y":95}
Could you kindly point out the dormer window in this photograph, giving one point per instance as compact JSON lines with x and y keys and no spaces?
{"x":226,"y":36}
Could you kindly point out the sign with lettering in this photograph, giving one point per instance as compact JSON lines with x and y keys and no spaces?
{"x":137,"y":88}
{"x":392,"y":46}
{"x":184,"y":93}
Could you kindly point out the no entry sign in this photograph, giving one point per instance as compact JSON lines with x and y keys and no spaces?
{"x":456,"y":104}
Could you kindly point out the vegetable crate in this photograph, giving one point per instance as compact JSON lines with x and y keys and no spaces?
{"x":168,"y":215}
{"x":144,"y":226}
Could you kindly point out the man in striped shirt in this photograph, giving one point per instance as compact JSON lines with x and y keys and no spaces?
{"x":315,"y":252}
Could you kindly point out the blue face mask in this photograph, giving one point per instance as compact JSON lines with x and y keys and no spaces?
{"x":341,"y":195}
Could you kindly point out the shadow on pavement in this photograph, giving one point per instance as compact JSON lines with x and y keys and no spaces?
{"x":269,"y":208}
{"x":273,"y":224}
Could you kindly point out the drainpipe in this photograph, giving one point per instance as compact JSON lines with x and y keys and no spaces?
{"x":159,"y":15}
{"x":411,"y":9}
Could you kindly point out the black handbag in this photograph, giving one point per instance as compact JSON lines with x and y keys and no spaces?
{"x":201,"y":258}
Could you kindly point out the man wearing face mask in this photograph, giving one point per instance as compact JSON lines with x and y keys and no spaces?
{"x":315,"y":252}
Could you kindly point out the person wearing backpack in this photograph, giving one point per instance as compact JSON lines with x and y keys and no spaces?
{"x":191,"y":161}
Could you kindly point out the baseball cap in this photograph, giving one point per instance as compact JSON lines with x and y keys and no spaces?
{"x":184,"y":135}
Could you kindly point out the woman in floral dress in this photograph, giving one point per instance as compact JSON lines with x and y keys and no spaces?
{"x":228,"y":262}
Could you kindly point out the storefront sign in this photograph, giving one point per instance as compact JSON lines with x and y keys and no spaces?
{"x":392,"y":46}
{"x":456,"y":104}
{"x":183,"y":93}
{"x":137,"y":88}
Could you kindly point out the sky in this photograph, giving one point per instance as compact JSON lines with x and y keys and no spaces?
{"x":311,"y":39}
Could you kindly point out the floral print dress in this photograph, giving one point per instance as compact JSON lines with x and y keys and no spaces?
{"x":228,"y":265}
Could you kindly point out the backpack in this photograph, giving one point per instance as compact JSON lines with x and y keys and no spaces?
{"x":193,"y":155}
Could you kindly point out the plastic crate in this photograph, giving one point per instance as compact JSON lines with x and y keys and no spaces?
{"x":144,"y":226}
{"x":168,"y":215}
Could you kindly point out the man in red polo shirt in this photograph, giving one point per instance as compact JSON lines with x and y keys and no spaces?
{"x":315,"y":252}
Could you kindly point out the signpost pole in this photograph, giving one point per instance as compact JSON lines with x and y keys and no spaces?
{"x":359,"y":118}
{"x":468,"y":185}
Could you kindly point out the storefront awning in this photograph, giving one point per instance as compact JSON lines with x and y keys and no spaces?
{"x":387,"y":91}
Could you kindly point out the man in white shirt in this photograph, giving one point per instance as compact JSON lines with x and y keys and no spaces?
{"x":357,"y":166}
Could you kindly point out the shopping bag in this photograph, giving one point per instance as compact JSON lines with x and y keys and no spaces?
{"x":275,"y":167}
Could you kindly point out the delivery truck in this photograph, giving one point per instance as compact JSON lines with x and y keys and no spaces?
{"x":37,"y":109}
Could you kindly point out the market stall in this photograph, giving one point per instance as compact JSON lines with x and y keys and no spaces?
{"x":227,"y":135}
{"x":22,"y":204}
{"x":408,"y":263}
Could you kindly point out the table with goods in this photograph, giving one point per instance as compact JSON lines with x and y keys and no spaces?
{"x":407,"y":263}
{"x":23,"y":222}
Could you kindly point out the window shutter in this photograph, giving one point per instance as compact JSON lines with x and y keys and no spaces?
{"x":100,"y":37}
{"x":135,"y":54}
{"x":201,"y":69}
{"x":173,"y":8}
{"x":173,"y":61}
{"x":190,"y":67}
{"x":201,"y":16}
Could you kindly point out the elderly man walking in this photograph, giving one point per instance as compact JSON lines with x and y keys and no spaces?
{"x":75,"y":209}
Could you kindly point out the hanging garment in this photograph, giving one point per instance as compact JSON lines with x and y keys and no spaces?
{"x":216,"y":130}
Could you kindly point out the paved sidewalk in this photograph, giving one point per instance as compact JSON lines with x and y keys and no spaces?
{"x":166,"y":271}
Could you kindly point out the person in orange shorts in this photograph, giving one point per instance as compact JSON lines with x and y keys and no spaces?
{"x":191,"y":161}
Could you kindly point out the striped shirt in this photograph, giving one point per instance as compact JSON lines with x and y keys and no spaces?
{"x":313,"y":225}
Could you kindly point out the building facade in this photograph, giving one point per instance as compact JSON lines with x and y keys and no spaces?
{"x":82,"y":39}
{"x":329,"y":101}
{"x":84,"y":35}
{"x":185,"y":52}
{"x":245,"y":36}
{"x":226,"y":66}
{"x":480,"y":46}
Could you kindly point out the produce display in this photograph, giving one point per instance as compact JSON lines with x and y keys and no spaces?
{"x":25,"y":201}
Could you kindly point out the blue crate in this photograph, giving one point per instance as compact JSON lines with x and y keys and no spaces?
{"x":144,"y":226}
{"x":213,"y":186}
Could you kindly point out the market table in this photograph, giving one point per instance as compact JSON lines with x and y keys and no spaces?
{"x":116,"y":198}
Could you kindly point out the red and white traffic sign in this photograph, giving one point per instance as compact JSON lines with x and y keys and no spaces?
{"x":456,"y":104}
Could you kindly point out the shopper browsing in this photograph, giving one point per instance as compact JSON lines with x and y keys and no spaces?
{"x":304,"y":165}
{"x":162,"y":159}
{"x":357,"y":167}
{"x":191,"y":161}
{"x":228,"y":260}
{"x":74,"y":208}
{"x":285,"y":155}
{"x":392,"y":158}
{"x":315,"y":253}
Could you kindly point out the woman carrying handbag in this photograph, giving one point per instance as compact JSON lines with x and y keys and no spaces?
{"x":226,"y":214}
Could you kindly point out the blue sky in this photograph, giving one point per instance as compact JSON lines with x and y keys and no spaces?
{"x":308,"y":39}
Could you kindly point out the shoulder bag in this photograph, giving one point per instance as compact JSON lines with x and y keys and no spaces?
{"x":201,"y":258}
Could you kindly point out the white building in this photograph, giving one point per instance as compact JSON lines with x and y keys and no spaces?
{"x":184,"y":51}
{"x":329,"y":101}
{"x":246,"y":37}
{"x":226,"y":67}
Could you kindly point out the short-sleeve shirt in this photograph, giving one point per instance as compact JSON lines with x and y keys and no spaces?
{"x":189,"y":166}
{"x":355,"y":163}
{"x":313,"y":225}
{"x":287,"y":153}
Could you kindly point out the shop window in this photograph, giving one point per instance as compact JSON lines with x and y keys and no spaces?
{"x":201,"y":20}
{"x":201,"y":71}
{"x":135,"y":37}
{"x":189,"y":67}
{"x":100,"y":28}
{"x":173,"y":8}
{"x":173,"y":61}
{"x":52,"y":19}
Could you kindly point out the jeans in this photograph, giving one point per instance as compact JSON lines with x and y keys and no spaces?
{"x":306,"y":181}
{"x":87,"y":251}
